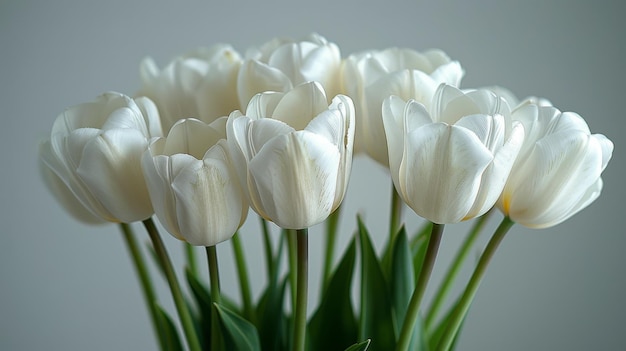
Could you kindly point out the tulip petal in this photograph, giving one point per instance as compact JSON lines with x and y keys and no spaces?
{"x":256,"y":77}
{"x":193,"y":137}
{"x":61,"y":191}
{"x":111,"y":169}
{"x":301,"y":104}
{"x":449,"y":160}
{"x":208,"y":197}
{"x":293,"y":180}
{"x":553,"y":179}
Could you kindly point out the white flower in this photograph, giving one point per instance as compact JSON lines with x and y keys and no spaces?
{"x":195,"y":192}
{"x":294,"y":153}
{"x":63,"y":194}
{"x":452,"y":163}
{"x":281,"y":64}
{"x":370,"y":77}
{"x":557,"y":172}
{"x":95,"y":150}
{"x":200,"y":84}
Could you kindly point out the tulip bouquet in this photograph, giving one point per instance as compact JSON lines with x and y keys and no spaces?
{"x":215,"y":133}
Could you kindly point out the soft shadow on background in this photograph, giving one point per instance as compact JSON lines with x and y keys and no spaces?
{"x":67,"y":286}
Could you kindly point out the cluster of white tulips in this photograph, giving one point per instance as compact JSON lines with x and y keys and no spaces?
{"x":215,"y":133}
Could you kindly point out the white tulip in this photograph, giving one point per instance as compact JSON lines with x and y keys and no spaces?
{"x":195,"y":192}
{"x":451,"y":164}
{"x":62,"y":193}
{"x":294,"y":153}
{"x":200,"y":84}
{"x":95,"y":150}
{"x":281,"y":64}
{"x":557,"y":172}
{"x":370,"y":77}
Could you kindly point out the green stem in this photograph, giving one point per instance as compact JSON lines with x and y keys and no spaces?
{"x":144,"y":279}
{"x":170,"y":274}
{"x":331,"y":239}
{"x":242,"y":272}
{"x":454,"y":269}
{"x":420,"y":287}
{"x":302,"y":290}
{"x":191,"y":259}
{"x":293,"y":261}
{"x":214,"y":277}
{"x":470,"y":291}
{"x":267,"y":241}
{"x":396,"y":214}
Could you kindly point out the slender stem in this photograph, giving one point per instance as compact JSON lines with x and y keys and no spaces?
{"x":242,"y":272}
{"x":331,"y":239}
{"x":293,"y":261}
{"x":191,"y":259}
{"x":302,"y":290}
{"x":420,"y":287}
{"x":267,"y":240}
{"x":214,"y":277}
{"x":144,"y":279}
{"x":454,"y":269}
{"x":470,"y":291}
{"x":170,"y":274}
{"x":396,"y":214}
{"x":214,"y":273}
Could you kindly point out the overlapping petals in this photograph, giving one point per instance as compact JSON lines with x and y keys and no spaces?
{"x":294,"y":153}
{"x":558,"y":170}
{"x":281,"y":64}
{"x":372,"y":76}
{"x":450,"y":164}
{"x":95,"y":150}
{"x":200,"y":84}
{"x":195,"y":192}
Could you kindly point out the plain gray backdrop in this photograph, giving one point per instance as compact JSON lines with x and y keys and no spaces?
{"x":68,"y":286}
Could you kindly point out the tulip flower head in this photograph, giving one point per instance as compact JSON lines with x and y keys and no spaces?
{"x":95,"y":150}
{"x":281,"y":64}
{"x":450,"y":164}
{"x":557,"y":172}
{"x":372,"y":76}
{"x":200,"y":84}
{"x":293,"y":151}
{"x":193,"y":187}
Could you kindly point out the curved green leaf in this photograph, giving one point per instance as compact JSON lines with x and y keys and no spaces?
{"x":376,"y":320}
{"x":239,"y":334}
{"x":169,"y":334}
{"x":335,"y":315}
{"x":361,"y":346}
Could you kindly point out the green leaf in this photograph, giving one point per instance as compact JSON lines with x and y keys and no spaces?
{"x":402,"y":278}
{"x":270,"y":319}
{"x":335,"y":315}
{"x":239,"y":334}
{"x":169,"y":334}
{"x":360,"y":346}
{"x":376,"y":320}
{"x":204,"y":304}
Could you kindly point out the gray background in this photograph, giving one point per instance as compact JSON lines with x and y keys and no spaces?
{"x":67,"y":286}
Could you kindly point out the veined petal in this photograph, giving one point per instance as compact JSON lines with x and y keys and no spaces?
{"x":301,"y":104}
{"x":450,"y":73}
{"x":553,"y":179}
{"x":441,"y":171}
{"x":160,"y":171}
{"x":496,"y":174}
{"x":111,"y":169}
{"x":60,"y":190}
{"x":292,"y":180}
{"x":255,"y":77}
{"x":262,"y":105}
{"x":151,"y":116}
{"x":193,"y":137}
{"x":209,"y":201}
